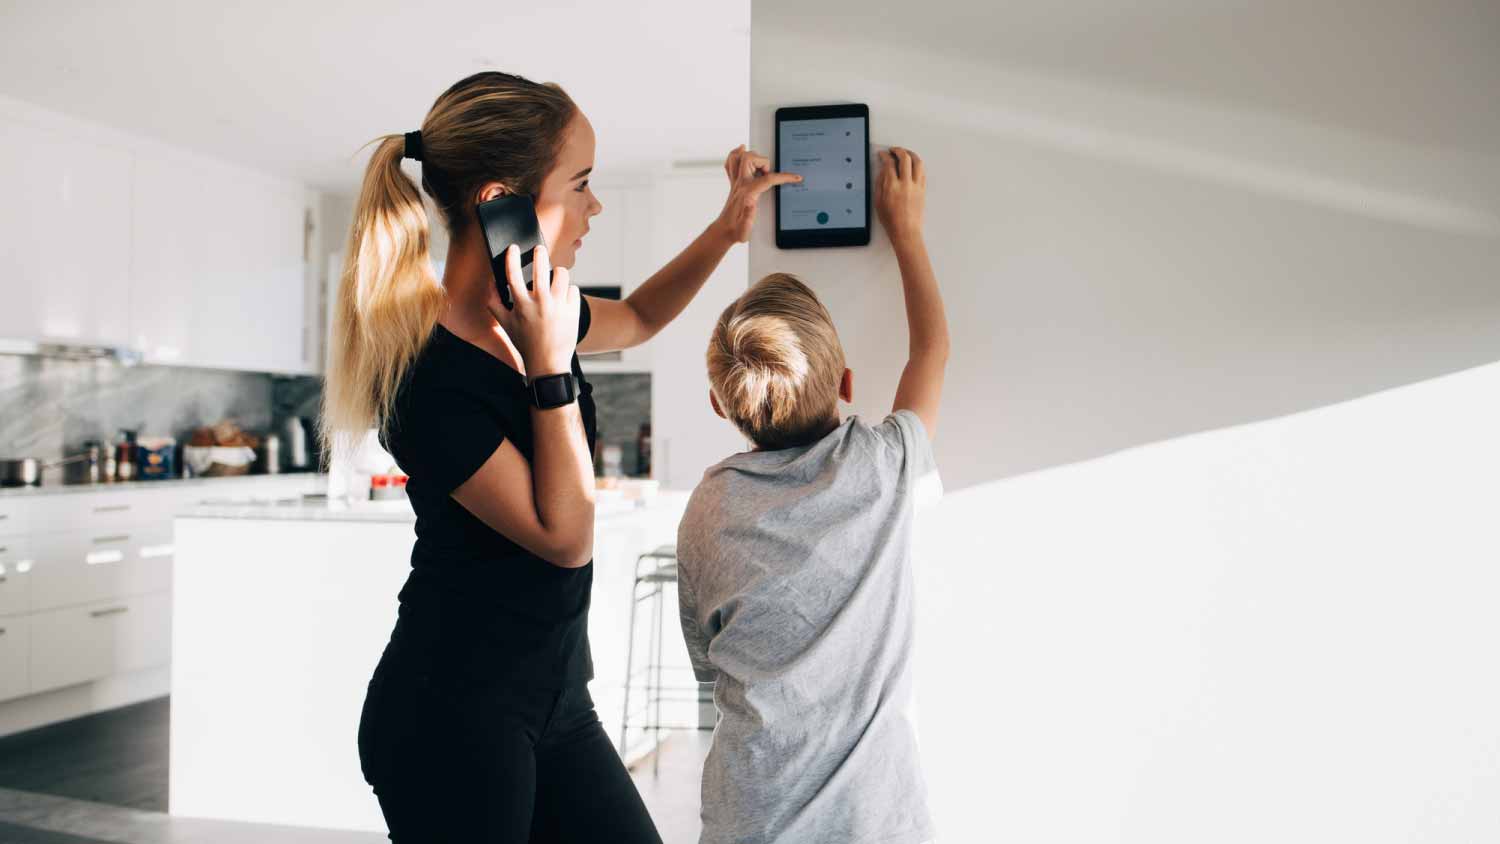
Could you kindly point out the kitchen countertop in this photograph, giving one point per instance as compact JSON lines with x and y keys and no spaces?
{"x":123,"y":486}
{"x":319,"y":509}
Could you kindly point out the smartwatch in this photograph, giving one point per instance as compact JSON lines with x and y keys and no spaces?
{"x":549,"y":391}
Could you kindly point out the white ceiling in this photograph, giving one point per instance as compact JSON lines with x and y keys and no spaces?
{"x":1418,"y":72}
{"x":296,"y":88}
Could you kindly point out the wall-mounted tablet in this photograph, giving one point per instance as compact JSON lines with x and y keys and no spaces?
{"x":829,"y":147}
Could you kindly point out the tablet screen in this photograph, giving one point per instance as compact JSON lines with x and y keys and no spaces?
{"x":830,"y":151}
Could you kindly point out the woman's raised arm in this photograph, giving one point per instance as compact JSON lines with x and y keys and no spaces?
{"x":658,"y":301}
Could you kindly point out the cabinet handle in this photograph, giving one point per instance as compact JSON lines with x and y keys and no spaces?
{"x":112,"y":508}
{"x":108,"y":611}
{"x":100,"y":540}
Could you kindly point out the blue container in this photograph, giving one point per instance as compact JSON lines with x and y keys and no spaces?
{"x":155,"y":458}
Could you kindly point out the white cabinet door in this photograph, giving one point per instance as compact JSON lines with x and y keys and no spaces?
{"x":600,"y":262}
{"x":15,"y":653}
{"x":686,"y":435}
{"x":618,"y":252}
{"x":218,"y":277}
{"x":78,"y":644}
{"x":15,"y":574}
{"x":64,"y":237}
{"x":74,"y":644}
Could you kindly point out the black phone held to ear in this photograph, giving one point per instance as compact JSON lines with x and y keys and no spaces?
{"x":506,"y":220}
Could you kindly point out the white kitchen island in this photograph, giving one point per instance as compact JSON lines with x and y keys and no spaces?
{"x":280,"y":614}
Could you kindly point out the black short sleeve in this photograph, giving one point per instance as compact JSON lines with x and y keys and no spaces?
{"x":585,"y":318}
{"x":448,"y":434}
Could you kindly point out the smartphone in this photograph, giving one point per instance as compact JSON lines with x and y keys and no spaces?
{"x":506,"y":220}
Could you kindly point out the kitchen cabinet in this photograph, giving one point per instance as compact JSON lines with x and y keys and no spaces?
{"x":15,"y":570}
{"x":86,"y":577}
{"x":617,"y":253}
{"x":113,"y":241}
{"x":687,"y":437}
{"x":64,"y":237}
{"x":218,"y":267}
{"x":77,"y":644}
{"x":15,"y":655}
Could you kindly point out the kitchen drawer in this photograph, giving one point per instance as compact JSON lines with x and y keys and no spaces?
{"x":14,"y":656}
{"x":79,"y":644}
{"x":76,"y":568}
{"x":102,"y":511}
{"x":15,"y":574}
{"x":14,"y":512}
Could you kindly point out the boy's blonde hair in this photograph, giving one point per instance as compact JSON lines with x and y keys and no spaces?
{"x":775,"y":363}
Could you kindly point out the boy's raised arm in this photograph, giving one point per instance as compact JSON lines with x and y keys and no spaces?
{"x":899,"y":204}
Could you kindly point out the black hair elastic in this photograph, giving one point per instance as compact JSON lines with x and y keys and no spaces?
{"x":413,"y":145}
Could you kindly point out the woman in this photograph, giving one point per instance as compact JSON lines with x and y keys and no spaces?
{"x":477,"y":725}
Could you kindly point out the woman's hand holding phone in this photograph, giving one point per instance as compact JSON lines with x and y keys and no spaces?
{"x":544,"y":322}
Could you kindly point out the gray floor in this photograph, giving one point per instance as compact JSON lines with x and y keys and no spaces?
{"x":102,"y":780}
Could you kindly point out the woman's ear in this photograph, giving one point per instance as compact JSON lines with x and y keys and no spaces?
{"x":492,"y":190}
{"x":846,"y":386}
{"x":715,"y":404}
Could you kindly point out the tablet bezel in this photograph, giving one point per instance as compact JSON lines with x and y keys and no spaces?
{"x":809,"y":238}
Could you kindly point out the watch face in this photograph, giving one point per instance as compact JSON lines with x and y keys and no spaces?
{"x":553,"y":390}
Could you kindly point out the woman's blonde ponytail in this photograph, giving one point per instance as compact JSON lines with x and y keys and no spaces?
{"x":389,"y":300}
{"x":488,"y":127}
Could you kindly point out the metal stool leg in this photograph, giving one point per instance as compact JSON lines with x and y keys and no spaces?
{"x":629,"y":658}
{"x":654,"y":679}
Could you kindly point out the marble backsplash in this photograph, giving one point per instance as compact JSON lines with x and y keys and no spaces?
{"x":50,"y":406}
{"x":623,"y":402}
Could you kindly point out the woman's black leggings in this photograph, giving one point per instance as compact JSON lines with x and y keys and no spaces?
{"x":454,"y":764}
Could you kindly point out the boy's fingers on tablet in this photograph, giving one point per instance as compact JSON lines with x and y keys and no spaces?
{"x":732,"y":162}
{"x":903,"y":156}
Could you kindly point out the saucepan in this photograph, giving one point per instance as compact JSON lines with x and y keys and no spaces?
{"x":28,"y":471}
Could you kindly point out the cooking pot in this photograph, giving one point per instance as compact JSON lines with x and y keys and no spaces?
{"x":28,"y":471}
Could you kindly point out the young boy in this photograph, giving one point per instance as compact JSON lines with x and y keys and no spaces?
{"x":794,"y":565}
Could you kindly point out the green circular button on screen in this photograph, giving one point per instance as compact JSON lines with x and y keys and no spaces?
{"x":822,"y":217}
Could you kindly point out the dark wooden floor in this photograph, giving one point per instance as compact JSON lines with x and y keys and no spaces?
{"x":106,"y":775}
{"x":117,"y":757}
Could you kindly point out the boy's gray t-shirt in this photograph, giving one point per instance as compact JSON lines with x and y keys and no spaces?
{"x":795,"y":585}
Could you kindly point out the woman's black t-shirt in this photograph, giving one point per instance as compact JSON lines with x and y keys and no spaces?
{"x":477,"y":607}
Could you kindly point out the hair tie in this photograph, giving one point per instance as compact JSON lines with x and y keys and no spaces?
{"x":413,"y":145}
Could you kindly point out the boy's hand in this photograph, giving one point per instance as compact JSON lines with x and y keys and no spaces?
{"x":901,"y":194}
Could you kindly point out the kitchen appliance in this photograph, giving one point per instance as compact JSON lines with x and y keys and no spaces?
{"x":271,"y":454}
{"x":296,"y":443}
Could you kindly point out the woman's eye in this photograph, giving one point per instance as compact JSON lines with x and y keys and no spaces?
{"x":582,"y":186}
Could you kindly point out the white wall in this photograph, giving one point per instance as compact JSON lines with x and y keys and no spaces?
{"x":1266,"y":632}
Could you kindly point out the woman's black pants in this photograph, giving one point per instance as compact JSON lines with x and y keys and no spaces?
{"x":463,"y":764}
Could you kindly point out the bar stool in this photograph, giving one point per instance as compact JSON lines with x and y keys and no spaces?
{"x":654,"y":571}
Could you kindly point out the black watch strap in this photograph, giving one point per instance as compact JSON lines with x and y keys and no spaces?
{"x":549,"y":391}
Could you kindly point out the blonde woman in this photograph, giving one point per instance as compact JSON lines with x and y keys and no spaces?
{"x":478,"y":726}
